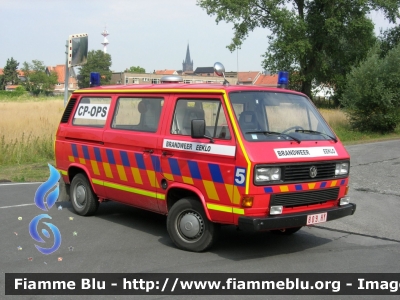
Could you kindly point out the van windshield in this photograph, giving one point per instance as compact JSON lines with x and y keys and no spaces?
{"x":278,"y":116}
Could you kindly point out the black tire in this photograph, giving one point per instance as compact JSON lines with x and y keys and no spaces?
{"x":287,"y":231}
{"x":200,"y":233}
{"x":83,"y":198}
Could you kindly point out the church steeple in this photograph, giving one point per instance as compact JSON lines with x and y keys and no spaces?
{"x":187,"y":54}
{"x":187,"y":64}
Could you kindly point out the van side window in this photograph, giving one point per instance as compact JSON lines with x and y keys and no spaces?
{"x":92,"y":111}
{"x":139,"y":114}
{"x":211,"y":111}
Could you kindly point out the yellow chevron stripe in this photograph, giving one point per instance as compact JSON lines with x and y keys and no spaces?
{"x":334,"y":183}
{"x":82,"y":161}
{"x":229,"y":190}
{"x":95,"y":167}
{"x":311,"y":186}
{"x":236,"y":195}
{"x":210,"y":189}
{"x":136,"y":175}
{"x":188,"y":180}
{"x":152,"y":178}
{"x":233,"y":192}
{"x":107,"y":170}
{"x":168,"y":176}
{"x":71,"y":158}
{"x":284,"y":188}
{"x":121,"y":172}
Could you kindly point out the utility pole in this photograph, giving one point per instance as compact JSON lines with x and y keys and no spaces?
{"x":66,"y":81}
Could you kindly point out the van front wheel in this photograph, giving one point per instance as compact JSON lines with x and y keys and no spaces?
{"x":83,"y":199}
{"x":188,"y":226}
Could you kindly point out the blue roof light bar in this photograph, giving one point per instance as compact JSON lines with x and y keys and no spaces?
{"x":283,"y":79}
{"x":94,"y":79}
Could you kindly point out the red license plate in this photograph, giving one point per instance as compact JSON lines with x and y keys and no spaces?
{"x":317,"y":218}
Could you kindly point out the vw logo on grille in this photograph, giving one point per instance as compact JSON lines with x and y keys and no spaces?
{"x":313,"y":172}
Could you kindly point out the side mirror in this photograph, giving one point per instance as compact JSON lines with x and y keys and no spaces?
{"x":198,"y":128}
{"x":219,"y":69}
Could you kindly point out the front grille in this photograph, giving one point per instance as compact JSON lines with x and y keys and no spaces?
{"x":304,"y":198}
{"x":302,"y":172}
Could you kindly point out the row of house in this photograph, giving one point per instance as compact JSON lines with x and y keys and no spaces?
{"x":12,"y":87}
{"x":200,"y":75}
{"x":59,"y":87}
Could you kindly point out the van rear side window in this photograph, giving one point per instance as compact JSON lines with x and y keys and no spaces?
{"x":139,"y":114}
{"x":92,"y":111}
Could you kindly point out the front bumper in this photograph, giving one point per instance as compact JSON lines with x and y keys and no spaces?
{"x":292,"y":220}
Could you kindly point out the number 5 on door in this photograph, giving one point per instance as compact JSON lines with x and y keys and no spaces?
{"x":240,"y":176}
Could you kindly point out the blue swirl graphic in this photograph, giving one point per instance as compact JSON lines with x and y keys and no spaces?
{"x":46,"y":187}
{"x":35,"y":235}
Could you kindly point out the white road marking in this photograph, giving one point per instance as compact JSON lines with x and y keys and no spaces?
{"x":18,"y":205}
{"x":1,"y":184}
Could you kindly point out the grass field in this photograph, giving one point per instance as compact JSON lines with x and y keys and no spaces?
{"x":28,"y":126}
{"x":31,"y":119}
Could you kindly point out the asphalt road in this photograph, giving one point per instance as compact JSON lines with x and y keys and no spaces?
{"x":128,"y":240}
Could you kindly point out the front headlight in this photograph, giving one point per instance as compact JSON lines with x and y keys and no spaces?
{"x":342,"y":168}
{"x":267,"y":174}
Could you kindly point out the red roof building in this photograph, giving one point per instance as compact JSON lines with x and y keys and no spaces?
{"x":267,"y":80}
{"x":248,"y":77}
{"x":60,"y":71}
{"x":166,"y":72}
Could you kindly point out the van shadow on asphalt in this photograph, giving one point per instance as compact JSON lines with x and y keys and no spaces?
{"x":232,"y":244}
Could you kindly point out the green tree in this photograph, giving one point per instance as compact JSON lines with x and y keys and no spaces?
{"x":10,"y":73}
{"x":389,"y":39}
{"x":37,"y":81}
{"x":97,"y":61}
{"x":135,"y":70}
{"x":316,"y":41}
{"x":2,"y":83}
{"x":371,"y":96}
{"x":26,"y":70}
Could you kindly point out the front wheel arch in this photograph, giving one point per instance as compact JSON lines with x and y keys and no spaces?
{"x":178,"y":191}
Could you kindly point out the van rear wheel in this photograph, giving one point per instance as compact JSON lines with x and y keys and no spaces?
{"x":287,"y":231}
{"x":83,"y":198}
{"x":188,"y":226}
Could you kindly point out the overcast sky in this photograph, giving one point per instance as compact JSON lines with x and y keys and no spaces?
{"x":152,"y":34}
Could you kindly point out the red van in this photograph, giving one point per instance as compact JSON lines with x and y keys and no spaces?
{"x":256,"y":157}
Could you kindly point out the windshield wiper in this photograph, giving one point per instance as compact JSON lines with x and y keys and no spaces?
{"x":316,"y":132}
{"x":275,"y":133}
